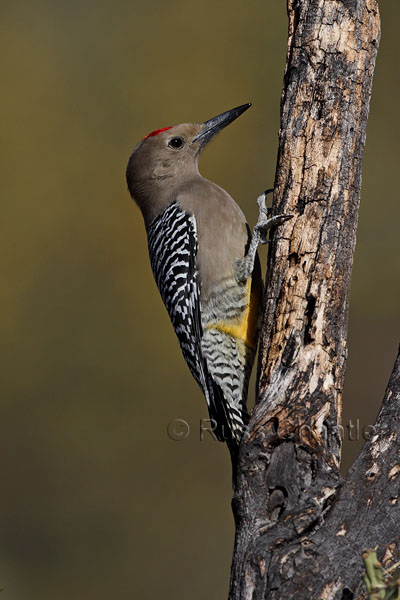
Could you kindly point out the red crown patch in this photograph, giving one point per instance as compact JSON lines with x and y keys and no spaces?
{"x":156,"y":132}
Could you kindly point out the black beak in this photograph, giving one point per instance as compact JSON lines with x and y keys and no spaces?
{"x":213,"y":126}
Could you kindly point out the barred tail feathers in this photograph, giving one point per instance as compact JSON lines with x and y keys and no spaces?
{"x":226,"y":381}
{"x":228,"y":422}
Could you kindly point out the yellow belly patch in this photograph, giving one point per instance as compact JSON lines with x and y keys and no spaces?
{"x":243,"y":328}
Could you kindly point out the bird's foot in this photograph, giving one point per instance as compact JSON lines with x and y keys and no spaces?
{"x":244,"y":267}
{"x":265,"y":221}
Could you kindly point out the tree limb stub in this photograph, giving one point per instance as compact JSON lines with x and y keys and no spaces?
{"x":288,"y":479}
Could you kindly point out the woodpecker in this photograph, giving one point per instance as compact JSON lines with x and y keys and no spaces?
{"x":205,"y":263}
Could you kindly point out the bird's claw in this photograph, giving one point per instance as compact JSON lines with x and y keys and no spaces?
{"x":261,"y":203}
{"x":264,"y":226}
{"x":265,"y":221}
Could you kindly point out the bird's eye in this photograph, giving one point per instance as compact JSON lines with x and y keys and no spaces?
{"x":176,"y":143}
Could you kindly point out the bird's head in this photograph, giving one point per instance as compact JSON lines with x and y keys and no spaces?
{"x":168,"y":157}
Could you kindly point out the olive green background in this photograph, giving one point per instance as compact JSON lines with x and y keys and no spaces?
{"x":97,"y":501}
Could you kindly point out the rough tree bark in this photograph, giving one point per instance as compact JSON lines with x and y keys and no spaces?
{"x":301,"y":529}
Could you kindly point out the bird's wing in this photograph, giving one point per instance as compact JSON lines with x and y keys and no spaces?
{"x":173,"y":245}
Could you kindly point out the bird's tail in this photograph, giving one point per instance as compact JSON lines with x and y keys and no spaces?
{"x":228,"y":422}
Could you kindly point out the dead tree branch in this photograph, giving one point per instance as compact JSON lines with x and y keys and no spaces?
{"x":299,"y":527}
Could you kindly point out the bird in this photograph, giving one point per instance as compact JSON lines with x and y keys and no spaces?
{"x":205,"y":262}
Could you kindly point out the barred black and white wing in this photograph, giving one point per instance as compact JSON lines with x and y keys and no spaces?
{"x":172,"y":240}
{"x":173,"y":246}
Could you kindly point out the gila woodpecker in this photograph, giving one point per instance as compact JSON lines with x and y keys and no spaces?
{"x":204,"y":260}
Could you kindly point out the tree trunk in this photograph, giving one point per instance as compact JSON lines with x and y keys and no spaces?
{"x":301,"y":529}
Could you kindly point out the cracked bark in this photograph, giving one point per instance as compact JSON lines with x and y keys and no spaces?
{"x":300,"y":528}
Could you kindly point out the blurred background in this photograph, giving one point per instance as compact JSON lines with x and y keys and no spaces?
{"x":97,"y":501}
